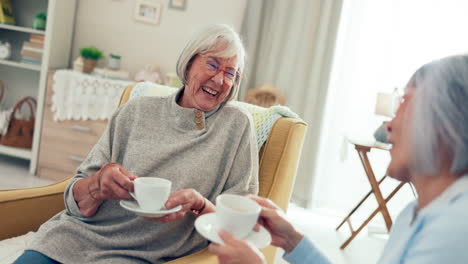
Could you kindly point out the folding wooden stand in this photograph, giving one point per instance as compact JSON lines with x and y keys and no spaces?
{"x":362,"y":151}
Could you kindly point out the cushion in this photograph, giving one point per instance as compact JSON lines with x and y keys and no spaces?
{"x":12,"y":248}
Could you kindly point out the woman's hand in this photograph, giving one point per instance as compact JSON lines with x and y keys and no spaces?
{"x":189,"y":199}
{"x":114,"y":182}
{"x":111,"y":182}
{"x":235,"y":251}
{"x":283,"y":233}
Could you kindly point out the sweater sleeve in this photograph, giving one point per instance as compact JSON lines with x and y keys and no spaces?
{"x":306,"y":252}
{"x":99,"y":155}
{"x":243,"y":176}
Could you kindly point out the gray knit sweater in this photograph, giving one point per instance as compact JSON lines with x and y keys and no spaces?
{"x":153,"y":136}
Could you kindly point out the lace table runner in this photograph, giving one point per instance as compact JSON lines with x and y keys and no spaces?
{"x":78,"y":96}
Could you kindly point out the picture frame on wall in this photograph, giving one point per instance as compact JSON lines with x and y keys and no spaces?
{"x":148,"y":11}
{"x":178,"y":4}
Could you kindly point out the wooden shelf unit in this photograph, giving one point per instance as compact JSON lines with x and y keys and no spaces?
{"x":26,"y":79}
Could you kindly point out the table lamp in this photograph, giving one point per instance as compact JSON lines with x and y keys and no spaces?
{"x":386,"y":105}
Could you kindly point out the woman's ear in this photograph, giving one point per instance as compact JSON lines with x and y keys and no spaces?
{"x":238,"y":78}
{"x":189,"y":66}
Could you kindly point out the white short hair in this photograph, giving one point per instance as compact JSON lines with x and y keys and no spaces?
{"x":440,"y":115}
{"x":220,"y":39}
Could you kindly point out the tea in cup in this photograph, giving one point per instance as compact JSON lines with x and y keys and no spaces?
{"x":151,"y":192}
{"x":236,"y":214}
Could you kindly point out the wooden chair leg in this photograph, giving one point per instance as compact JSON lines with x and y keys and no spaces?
{"x":375,"y":186}
{"x":354,"y":234}
{"x":358,"y":205}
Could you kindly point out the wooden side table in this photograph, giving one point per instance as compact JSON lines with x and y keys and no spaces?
{"x":362,"y":150}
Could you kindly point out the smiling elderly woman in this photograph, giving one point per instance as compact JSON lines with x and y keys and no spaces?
{"x":194,"y":138}
{"x":430,"y":150}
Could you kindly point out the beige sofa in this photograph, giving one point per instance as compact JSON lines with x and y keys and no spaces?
{"x":25,"y":210}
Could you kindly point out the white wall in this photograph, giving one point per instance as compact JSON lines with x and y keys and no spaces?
{"x":110,"y":26}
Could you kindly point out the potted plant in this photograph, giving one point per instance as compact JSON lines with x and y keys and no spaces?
{"x":39,"y":21}
{"x":114,"y":62}
{"x":90,"y":57}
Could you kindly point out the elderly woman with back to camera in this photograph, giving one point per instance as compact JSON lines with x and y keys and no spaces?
{"x":194,"y":138}
{"x":429,"y":135}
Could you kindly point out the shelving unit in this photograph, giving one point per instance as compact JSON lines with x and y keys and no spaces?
{"x":27,"y":79}
{"x":21,"y":65}
{"x":16,"y":152}
{"x":22,"y":29}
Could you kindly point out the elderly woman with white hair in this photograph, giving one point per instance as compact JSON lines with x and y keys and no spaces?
{"x":194,"y":138}
{"x":430,"y":150}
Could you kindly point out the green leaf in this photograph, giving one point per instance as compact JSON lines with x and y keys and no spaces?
{"x":91,"y":53}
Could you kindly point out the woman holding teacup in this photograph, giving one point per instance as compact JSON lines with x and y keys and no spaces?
{"x":195,"y":139}
{"x":430,"y":150}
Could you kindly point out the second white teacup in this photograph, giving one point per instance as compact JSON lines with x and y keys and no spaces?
{"x":236,"y":214}
{"x":151,"y":192}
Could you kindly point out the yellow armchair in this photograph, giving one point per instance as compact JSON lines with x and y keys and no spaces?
{"x":24,"y":210}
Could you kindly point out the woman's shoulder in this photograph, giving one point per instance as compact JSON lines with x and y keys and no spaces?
{"x":237,"y":112}
{"x":138,"y":105}
{"x":144,"y":102}
{"x":452,"y":218}
{"x":458,"y":208}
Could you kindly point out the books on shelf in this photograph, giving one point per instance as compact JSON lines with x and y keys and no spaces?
{"x":32,"y":50}
{"x":36,"y":38}
{"x":32,"y":46}
{"x":31,"y":61}
{"x":31,"y":54}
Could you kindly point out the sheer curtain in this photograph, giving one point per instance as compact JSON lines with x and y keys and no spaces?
{"x":291,"y":44}
{"x":380,"y":44}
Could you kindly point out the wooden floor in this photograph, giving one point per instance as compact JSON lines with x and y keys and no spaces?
{"x":14,"y":174}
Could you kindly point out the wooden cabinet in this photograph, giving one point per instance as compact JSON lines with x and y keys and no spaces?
{"x":64,"y":144}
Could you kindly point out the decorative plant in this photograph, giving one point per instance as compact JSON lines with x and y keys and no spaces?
{"x":113,"y":61}
{"x":41,"y":16}
{"x":91,"y":53}
{"x":90,"y":57}
{"x":115,"y":56}
{"x":39,"y":21}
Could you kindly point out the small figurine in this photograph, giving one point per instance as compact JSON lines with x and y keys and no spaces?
{"x":5,"y":50}
{"x":78,"y":64}
{"x":151,"y":73}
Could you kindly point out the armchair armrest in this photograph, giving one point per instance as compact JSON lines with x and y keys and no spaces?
{"x":205,"y":257}
{"x":24,"y":210}
{"x":202,"y":256}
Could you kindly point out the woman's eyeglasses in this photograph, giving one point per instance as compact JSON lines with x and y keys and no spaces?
{"x":212,"y":68}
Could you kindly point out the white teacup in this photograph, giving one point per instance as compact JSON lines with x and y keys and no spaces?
{"x":236,"y":214}
{"x":151,"y":192}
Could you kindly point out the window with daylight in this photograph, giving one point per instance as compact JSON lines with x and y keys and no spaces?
{"x":380,"y":44}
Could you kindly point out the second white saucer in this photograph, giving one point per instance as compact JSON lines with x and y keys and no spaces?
{"x":206,"y":226}
{"x":132,"y":206}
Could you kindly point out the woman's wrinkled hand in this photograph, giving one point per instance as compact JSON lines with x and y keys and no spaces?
{"x":283,"y":233}
{"x":113,"y":182}
{"x":189,"y":199}
{"x":235,"y":251}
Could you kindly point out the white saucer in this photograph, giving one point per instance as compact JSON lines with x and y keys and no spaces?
{"x":132,"y":206}
{"x":206,"y":226}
